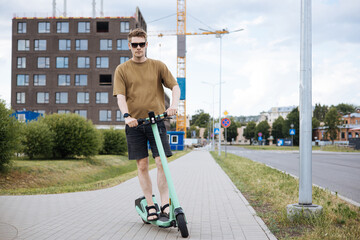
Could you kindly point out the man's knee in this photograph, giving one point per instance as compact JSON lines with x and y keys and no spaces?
{"x":143,"y":164}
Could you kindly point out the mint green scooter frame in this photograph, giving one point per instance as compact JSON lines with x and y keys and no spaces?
{"x":175,"y":208}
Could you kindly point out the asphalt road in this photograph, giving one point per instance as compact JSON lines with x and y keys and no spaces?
{"x":338,"y":172}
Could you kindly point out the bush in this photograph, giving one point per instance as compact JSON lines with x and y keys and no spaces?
{"x":9,"y":136}
{"x":114,"y":142}
{"x":74,"y":135}
{"x":37,"y":139}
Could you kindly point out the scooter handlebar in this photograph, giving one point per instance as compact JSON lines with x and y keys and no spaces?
{"x":158,"y":118}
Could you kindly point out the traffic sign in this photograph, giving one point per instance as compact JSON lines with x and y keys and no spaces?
{"x":226,"y":113}
{"x":225,"y":122}
{"x":259,"y":134}
{"x":216,"y":131}
{"x":292,"y":131}
{"x":260,"y":138}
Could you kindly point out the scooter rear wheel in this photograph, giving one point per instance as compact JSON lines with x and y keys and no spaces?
{"x":181,"y":222}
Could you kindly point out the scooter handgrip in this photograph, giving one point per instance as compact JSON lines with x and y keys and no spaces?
{"x":165,"y":114}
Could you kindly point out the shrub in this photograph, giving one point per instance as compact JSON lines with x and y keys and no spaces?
{"x":114,"y":142}
{"x":37,"y":139}
{"x":9,"y":136}
{"x":74,"y":135}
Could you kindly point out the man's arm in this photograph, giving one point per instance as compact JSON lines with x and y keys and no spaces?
{"x":132,"y":122}
{"x":172,"y":110}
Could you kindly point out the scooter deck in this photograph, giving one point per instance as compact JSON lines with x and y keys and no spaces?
{"x":140,"y":205}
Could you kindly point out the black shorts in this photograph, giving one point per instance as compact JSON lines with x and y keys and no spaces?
{"x":137,"y":139}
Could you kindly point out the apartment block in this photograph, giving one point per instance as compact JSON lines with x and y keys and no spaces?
{"x":67,"y":64}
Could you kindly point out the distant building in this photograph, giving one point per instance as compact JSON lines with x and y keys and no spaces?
{"x":66,"y":64}
{"x":275,"y":112}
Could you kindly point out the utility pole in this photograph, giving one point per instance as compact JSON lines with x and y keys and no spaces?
{"x":305,"y":207}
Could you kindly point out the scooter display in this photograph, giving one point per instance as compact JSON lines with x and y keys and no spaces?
{"x":176,"y":215}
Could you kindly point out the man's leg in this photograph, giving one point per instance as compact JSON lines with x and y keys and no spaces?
{"x":145,"y":182}
{"x":162,"y":184}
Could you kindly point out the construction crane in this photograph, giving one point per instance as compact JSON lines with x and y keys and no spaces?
{"x":181,"y":59}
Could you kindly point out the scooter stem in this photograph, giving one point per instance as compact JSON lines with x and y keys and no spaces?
{"x":172,"y":193}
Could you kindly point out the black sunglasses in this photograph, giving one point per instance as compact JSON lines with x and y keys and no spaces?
{"x":141,"y":44}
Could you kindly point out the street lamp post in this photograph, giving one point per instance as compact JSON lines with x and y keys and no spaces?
{"x":292,"y":136}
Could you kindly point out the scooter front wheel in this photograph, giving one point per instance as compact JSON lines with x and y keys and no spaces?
{"x":181,"y":222}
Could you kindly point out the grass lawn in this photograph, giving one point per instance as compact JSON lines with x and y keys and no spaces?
{"x":71,"y":175}
{"x":269,"y":192}
{"x":330,"y":148}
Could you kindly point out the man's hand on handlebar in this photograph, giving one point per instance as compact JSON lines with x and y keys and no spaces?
{"x":171,"y":111}
{"x":131,"y":122}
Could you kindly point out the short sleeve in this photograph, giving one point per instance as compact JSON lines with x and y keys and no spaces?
{"x":119,"y":82}
{"x":167,"y":78}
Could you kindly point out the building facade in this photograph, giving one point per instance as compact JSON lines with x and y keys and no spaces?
{"x":66,"y":65}
{"x":275,"y":112}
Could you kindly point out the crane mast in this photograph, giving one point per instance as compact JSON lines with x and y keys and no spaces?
{"x":181,"y":64}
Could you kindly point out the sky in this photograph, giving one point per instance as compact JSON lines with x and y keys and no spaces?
{"x":260,"y":65}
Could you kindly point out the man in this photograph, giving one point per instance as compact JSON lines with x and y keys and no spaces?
{"x":138,"y":85}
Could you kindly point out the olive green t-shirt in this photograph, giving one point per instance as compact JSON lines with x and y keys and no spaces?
{"x":142,"y":86}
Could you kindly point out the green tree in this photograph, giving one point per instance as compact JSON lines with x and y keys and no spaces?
{"x":320,"y":112}
{"x":315,"y":123}
{"x":9,"y":136}
{"x":332,"y":120}
{"x":206,"y":133}
{"x":74,"y":135}
{"x":292,"y":118}
{"x":232,"y":132}
{"x":249,"y":131}
{"x":200,"y":119}
{"x":37,"y":139}
{"x":191,"y":130}
{"x":277,"y":128}
{"x":345,"y":108}
{"x":264,"y":128}
{"x":114,"y":142}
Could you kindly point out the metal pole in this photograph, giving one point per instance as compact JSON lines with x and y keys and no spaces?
{"x":94,"y":10}
{"x":54,"y":8}
{"x":305,"y":184}
{"x":64,"y":8}
{"x":225,"y":141}
{"x":220,"y":36}
{"x":213,"y":132}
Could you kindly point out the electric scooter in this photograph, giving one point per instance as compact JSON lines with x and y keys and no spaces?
{"x":176,"y":215}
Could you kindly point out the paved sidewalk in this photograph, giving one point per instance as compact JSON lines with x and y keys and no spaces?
{"x":214,"y":208}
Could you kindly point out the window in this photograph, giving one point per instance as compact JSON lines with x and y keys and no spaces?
{"x":82,"y":113}
{"x":39,"y":80}
{"x":64,"y":44}
{"x":63,"y":80}
{"x":102,"y":97}
{"x":105,"y":115}
{"x":39,"y":45}
{"x":44,"y":27}
{"x":105,"y":44}
{"x":123,"y":59}
{"x":62,"y":62}
{"x":20,"y":97}
{"x":102,"y":62}
{"x":21,"y":62}
{"x":105,"y":79}
{"x":342,"y":135}
{"x":122,"y":44}
{"x":124,"y":27}
{"x":21,"y":117}
{"x":22,"y":80}
{"x":21,"y":27}
{"x":23,"y":45}
{"x":82,"y":97}
{"x":62,"y":27}
{"x":102,"y":26}
{"x":63,"y":111}
{"x":83,"y":27}
{"x":119,"y":116}
{"x":61,"y":97}
{"x":42,"y":112}
{"x":83,"y":62}
{"x":174,"y":139}
{"x":80,"y":80}
{"x":42,"y":97}
{"x":43,"y":62}
{"x":81,"y":44}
